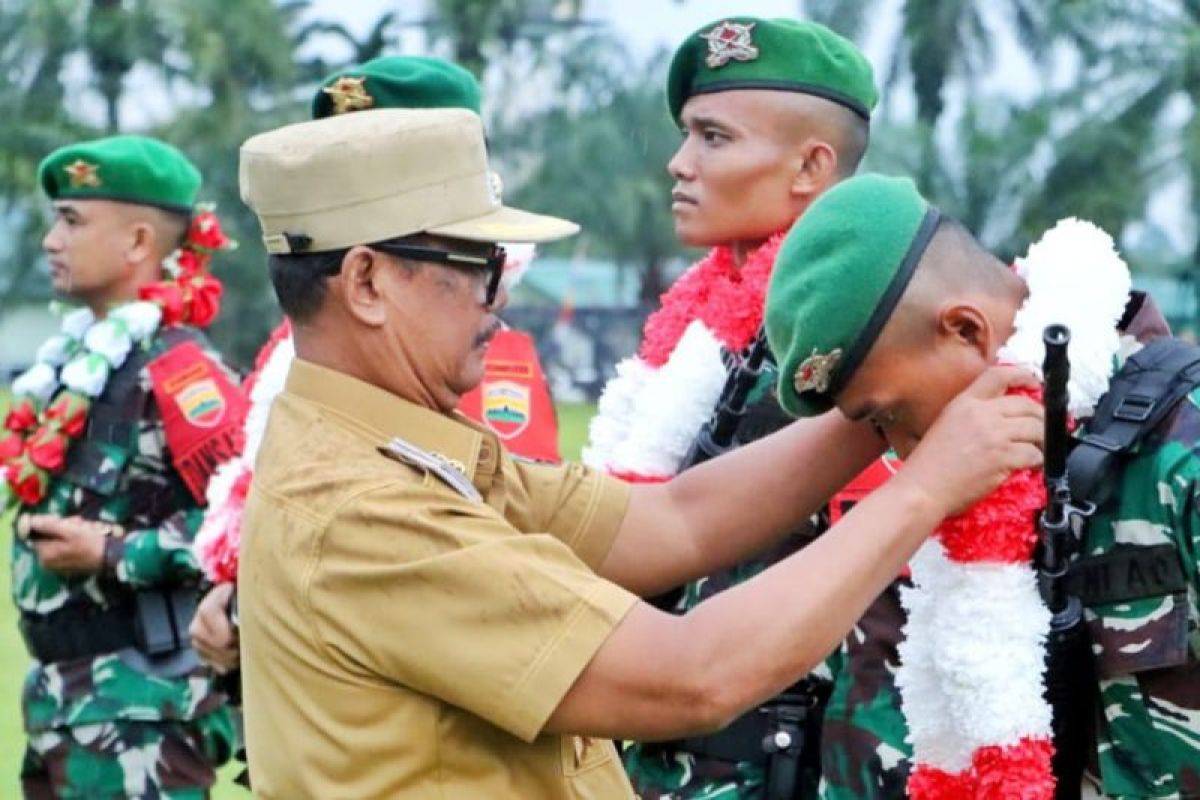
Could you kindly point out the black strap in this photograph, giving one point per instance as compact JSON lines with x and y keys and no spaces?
{"x":72,"y":633}
{"x":1146,"y":390}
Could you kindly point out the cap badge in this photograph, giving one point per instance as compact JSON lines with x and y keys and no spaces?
{"x":82,"y":173}
{"x":814,"y":372}
{"x":349,"y":94}
{"x":729,"y":41}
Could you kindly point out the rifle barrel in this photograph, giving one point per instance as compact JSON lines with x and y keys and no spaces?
{"x":1057,"y":372}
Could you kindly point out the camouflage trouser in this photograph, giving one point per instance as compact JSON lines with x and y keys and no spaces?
{"x":143,"y":760}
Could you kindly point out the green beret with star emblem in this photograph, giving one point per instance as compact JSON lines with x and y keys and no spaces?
{"x":839,"y":275}
{"x":784,"y":54}
{"x":131,"y":169}
{"x":397,"y":82}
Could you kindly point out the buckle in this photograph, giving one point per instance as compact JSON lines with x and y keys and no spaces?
{"x":1134,"y":408}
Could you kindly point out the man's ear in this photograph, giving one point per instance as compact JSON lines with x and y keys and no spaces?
{"x":818,"y":169}
{"x":966,"y":325}
{"x":142,"y":243}
{"x":359,"y":286}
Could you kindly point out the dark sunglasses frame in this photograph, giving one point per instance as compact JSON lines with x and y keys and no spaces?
{"x":493,"y":262}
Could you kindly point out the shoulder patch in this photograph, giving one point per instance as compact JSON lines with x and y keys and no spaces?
{"x":448,"y":472}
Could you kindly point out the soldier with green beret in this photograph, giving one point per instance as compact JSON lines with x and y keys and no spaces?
{"x":106,"y":454}
{"x":885,"y":308}
{"x":774,"y":112}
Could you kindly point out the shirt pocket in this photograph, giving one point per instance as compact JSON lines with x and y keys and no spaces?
{"x":1140,"y":635}
{"x":592,"y":770}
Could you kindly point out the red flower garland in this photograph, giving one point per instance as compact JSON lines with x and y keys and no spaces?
{"x":727,"y":299}
{"x":193,"y":295}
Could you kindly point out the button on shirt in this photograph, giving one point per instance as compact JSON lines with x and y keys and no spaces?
{"x":402,"y":638}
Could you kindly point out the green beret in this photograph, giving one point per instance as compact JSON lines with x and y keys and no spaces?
{"x":397,"y":82}
{"x":839,"y":274}
{"x":132,"y":169}
{"x":784,"y":54}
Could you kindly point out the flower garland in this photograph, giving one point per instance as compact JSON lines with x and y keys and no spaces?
{"x":219,"y":539}
{"x":972,"y":664}
{"x":191,"y":295}
{"x":650,"y":412}
{"x":43,"y":420}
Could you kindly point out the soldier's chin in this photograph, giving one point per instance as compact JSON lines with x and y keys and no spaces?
{"x":689,"y":233}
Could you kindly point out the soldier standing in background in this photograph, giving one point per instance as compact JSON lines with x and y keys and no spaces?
{"x":774,"y":112}
{"x":107,"y":451}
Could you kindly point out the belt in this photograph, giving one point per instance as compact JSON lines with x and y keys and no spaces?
{"x":73,"y":633}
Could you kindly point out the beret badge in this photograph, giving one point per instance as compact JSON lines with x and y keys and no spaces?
{"x":729,"y":41}
{"x":814,"y":372}
{"x":349,"y":94}
{"x":82,"y":173}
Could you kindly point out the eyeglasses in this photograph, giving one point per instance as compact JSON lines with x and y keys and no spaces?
{"x":493,"y":262}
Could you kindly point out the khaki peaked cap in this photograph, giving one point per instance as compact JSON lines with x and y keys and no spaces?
{"x":377,"y":175}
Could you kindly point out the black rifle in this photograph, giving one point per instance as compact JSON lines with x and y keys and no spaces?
{"x":1070,"y":682}
{"x":717,"y":435}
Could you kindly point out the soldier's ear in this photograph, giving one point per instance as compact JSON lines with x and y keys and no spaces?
{"x":359,"y":286}
{"x":815,"y":169}
{"x":967,"y":325}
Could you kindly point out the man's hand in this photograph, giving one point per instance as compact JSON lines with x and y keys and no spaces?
{"x":213,"y":635}
{"x":977,"y":441}
{"x":68,"y":545}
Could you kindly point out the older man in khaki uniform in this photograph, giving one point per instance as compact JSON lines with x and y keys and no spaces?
{"x":425,"y":617}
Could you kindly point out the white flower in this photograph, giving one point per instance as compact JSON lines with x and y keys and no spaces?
{"x":38,"y":382}
{"x":76,"y":323}
{"x":56,"y":350}
{"x":141,"y":318}
{"x":86,"y":374}
{"x":109,"y":338}
{"x":170,"y":264}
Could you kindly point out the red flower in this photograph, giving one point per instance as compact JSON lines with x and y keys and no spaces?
{"x":12,"y":444}
{"x":190,"y":262}
{"x":168,"y":296}
{"x":206,"y":233}
{"x":28,"y":482}
{"x":22,"y":417}
{"x":48,"y":449}
{"x":69,"y":413}
{"x":205,"y":300}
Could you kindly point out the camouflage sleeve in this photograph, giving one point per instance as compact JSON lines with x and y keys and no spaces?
{"x":159,"y":555}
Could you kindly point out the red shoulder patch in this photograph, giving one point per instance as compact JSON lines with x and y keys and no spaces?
{"x":202,"y":411}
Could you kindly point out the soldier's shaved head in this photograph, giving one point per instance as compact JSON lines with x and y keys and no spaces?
{"x":805,"y":117}
{"x":955,"y":268}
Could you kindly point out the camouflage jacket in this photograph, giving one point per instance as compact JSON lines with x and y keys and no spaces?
{"x":1148,"y":731}
{"x":864,"y":755}
{"x":1148,"y":649}
{"x":121,"y":471}
{"x":658,"y":771}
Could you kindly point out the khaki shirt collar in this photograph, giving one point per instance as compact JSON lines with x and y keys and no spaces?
{"x":381,"y":415}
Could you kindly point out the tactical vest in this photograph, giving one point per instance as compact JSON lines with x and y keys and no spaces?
{"x":97,"y":461}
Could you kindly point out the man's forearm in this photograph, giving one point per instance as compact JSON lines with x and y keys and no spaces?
{"x":722,"y":512}
{"x":799,"y":609}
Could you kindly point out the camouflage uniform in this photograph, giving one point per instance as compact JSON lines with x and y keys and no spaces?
{"x":661,"y":771}
{"x":864,"y":755}
{"x":120,"y":724}
{"x":1148,"y":650}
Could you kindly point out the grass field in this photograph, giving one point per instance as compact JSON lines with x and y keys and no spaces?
{"x":572,"y":420}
